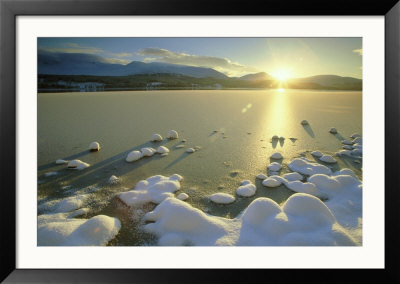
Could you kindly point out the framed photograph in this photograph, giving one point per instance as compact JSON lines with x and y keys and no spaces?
{"x":151,"y":135}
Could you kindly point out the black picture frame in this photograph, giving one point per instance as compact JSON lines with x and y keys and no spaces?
{"x":10,"y":9}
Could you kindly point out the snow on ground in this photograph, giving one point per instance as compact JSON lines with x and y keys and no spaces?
{"x":154,"y":189}
{"x":59,"y":230}
{"x":302,"y":220}
{"x":308,"y":168}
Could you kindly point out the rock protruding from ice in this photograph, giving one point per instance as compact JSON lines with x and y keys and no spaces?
{"x":113,"y":180}
{"x":293,"y":176}
{"x":172,"y":134}
{"x":162,"y":150}
{"x":275,"y":137}
{"x":274,"y":167}
{"x":303,"y":220}
{"x":355,"y":135}
{"x":247,"y":189}
{"x":148,"y":151}
{"x":304,"y":122}
{"x":190,"y":150}
{"x":182,"y":196}
{"x":347,"y":142}
{"x":317,"y":154}
{"x":333,"y":130}
{"x":57,"y":230}
{"x":308,"y":168}
{"x":222,"y":198}
{"x":155,"y":189}
{"x":261,"y":176}
{"x":77,"y":165}
{"x":271,"y":182}
{"x":328,"y":159}
{"x":276,"y":156}
{"x":156,"y":137}
{"x":134,"y":156}
{"x":94,"y":146}
{"x":61,"y":162}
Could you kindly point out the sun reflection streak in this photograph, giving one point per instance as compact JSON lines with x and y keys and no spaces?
{"x":278,"y":118}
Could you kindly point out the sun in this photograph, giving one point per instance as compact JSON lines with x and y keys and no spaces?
{"x":282,"y":74}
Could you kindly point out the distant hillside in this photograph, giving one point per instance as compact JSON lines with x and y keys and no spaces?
{"x":88,"y":64}
{"x":262,"y":76}
{"x":172,"y":81}
{"x":326,"y":81}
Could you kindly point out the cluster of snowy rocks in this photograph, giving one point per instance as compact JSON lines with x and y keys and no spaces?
{"x":303,"y":219}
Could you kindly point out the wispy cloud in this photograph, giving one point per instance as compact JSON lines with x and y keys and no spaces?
{"x":359,"y":51}
{"x":116,"y":61}
{"x":122,"y":54}
{"x":71,"y":47}
{"x":224,"y":65}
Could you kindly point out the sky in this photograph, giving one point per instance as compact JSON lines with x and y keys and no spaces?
{"x":279,"y":57}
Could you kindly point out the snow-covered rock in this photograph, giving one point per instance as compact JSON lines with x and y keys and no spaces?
{"x":172,"y":134}
{"x":156,"y":137}
{"x":190,"y":150}
{"x":222,"y":198}
{"x":274,"y":167}
{"x":162,"y":150}
{"x":182,"y":196}
{"x":148,"y":151}
{"x":308,"y":168}
{"x":293,"y":176}
{"x":333,"y":130}
{"x":61,"y":162}
{"x":247,"y":189}
{"x":134,"y":156}
{"x":276,"y":156}
{"x":77,"y":165}
{"x":261,"y":176}
{"x":57,"y":230}
{"x":114,"y":180}
{"x":155,"y":189}
{"x":328,"y":159}
{"x":317,"y":154}
{"x":304,"y":122}
{"x":94,"y":146}
{"x":271,"y":182}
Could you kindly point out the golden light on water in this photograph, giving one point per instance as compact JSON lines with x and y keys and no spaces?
{"x":278,"y":114}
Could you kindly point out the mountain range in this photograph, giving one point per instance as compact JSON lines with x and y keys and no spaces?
{"x":78,"y":64}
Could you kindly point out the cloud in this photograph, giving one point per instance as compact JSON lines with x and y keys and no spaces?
{"x":220,"y":64}
{"x":71,"y":47}
{"x":122,"y":54}
{"x":359,"y":51}
{"x":116,"y":61}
